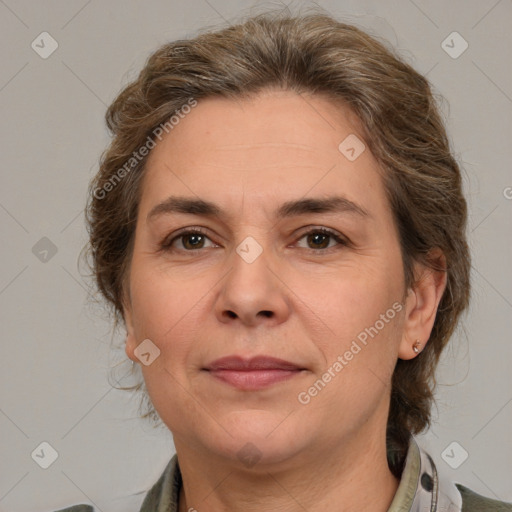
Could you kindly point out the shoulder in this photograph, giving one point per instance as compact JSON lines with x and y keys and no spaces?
{"x":163,"y":495}
{"x":473,"y":502}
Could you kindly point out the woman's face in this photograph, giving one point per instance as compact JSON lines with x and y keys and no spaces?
{"x":263,"y":280}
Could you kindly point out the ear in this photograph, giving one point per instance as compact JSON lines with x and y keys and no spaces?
{"x":131,"y":340}
{"x":421,"y":304}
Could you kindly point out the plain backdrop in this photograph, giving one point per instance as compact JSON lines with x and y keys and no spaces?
{"x":55,"y":351}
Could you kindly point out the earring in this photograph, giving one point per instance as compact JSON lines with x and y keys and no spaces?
{"x":416,"y":346}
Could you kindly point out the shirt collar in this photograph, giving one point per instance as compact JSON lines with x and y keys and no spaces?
{"x":421,"y":489}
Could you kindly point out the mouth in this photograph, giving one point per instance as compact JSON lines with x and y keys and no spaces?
{"x":252,"y":374}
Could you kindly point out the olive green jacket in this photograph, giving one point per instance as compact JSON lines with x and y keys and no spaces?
{"x":420,"y":490}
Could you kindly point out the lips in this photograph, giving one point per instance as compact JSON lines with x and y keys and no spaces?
{"x":252,"y":374}
{"x":236,"y":363}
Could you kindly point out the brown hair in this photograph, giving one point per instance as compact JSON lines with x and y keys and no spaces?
{"x":402,"y":128}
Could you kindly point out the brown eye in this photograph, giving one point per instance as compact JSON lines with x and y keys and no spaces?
{"x":322,"y":238}
{"x":319,"y":240}
{"x":192,"y":241}
{"x":186,"y":241}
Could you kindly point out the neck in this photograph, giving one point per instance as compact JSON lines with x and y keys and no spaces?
{"x":351,"y":477}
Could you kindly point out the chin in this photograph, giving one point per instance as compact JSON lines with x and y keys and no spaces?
{"x":255,"y":438}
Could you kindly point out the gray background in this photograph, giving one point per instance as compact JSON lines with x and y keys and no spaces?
{"x":56,"y":345}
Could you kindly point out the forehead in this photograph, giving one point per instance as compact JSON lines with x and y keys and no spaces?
{"x":275,"y":146}
{"x":294,"y":123}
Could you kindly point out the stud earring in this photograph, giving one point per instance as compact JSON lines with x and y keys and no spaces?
{"x":416,"y":346}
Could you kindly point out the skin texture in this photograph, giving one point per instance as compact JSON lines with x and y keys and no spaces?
{"x":303,"y":299}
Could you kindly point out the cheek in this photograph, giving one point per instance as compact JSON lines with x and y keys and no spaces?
{"x":167,"y":313}
{"x":357,"y":297}
{"x":161,"y":303}
{"x":359,"y":350}
{"x":362,"y":309}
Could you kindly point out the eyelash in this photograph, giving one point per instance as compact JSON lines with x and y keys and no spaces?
{"x":166,"y":244}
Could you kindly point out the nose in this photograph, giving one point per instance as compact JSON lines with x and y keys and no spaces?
{"x":252,"y":291}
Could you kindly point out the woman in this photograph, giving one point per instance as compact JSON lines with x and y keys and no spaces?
{"x":279,"y":225}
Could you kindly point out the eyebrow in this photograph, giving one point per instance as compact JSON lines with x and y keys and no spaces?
{"x":193,"y":206}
